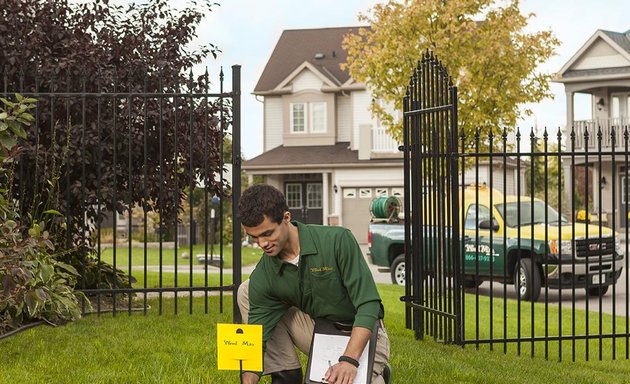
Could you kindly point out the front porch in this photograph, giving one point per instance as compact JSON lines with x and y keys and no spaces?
{"x":600,"y":187}
{"x":600,"y":135}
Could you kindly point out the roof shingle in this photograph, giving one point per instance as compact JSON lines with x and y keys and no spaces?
{"x":316,"y":155}
{"x":621,"y":39}
{"x":299,"y":45}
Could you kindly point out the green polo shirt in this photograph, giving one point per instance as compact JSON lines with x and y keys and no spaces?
{"x":332,"y":280}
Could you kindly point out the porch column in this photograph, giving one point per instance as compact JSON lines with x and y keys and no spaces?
{"x":568,"y":172}
{"x":570,"y":116}
{"x":566,"y":199}
{"x":596,"y":190}
{"x":325,"y":198}
{"x":338,"y":200}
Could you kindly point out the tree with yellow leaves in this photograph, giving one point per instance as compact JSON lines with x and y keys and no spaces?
{"x":482,"y":43}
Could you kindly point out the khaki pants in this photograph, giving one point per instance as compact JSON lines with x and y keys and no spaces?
{"x":295,"y":329}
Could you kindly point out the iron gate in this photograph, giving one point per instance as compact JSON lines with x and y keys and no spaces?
{"x":518,"y":241}
{"x":432,"y":290}
{"x":124,"y":158}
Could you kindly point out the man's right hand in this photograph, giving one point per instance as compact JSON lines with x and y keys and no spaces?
{"x":250,"y":378}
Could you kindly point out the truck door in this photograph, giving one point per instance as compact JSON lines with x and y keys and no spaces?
{"x":478,"y":251}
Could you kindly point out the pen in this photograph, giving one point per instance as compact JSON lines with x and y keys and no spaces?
{"x":329,"y":368}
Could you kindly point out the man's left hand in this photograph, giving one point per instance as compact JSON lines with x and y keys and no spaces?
{"x":341,"y":373}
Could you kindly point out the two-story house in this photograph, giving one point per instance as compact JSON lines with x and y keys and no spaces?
{"x":601,"y":69}
{"x":321,"y":145}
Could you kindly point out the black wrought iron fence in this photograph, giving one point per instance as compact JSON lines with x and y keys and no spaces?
{"x":556,"y":230}
{"x":115,"y":162}
{"x":517,"y":240}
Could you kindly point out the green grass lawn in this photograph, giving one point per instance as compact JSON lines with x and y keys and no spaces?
{"x":183,"y":279}
{"x":249,"y":256}
{"x":182,"y":349}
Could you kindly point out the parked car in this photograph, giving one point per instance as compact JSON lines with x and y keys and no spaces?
{"x":516,"y":240}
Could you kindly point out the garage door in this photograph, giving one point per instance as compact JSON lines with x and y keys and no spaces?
{"x":356,"y":208}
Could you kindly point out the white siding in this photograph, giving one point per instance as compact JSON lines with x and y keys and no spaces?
{"x":498,"y":182}
{"x":600,"y":55}
{"x":360,"y":114}
{"x":306,"y":80}
{"x":344,"y":118}
{"x":470,"y":177}
{"x":369,"y":177}
{"x":273,"y":122}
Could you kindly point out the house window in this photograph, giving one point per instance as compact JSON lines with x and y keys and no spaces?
{"x":294,"y":195}
{"x":298,"y":118}
{"x":308,"y":117}
{"x":318,"y":117}
{"x":616,"y":112}
{"x":620,"y":106}
{"x":349,"y":193}
{"x":314,"y":195}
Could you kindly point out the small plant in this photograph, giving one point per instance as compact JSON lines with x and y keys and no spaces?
{"x":34,"y":284}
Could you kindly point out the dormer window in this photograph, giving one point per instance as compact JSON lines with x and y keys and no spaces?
{"x":318,"y":117}
{"x":297,"y":118}
{"x":316,"y":122}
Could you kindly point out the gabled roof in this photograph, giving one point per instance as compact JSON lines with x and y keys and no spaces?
{"x":619,"y":42}
{"x":621,"y":39}
{"x":299,"y":46}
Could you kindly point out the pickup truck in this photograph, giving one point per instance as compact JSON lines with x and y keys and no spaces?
{"x":504,"y":242}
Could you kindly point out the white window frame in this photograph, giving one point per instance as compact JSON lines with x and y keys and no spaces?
{"x":349,"y":193}
{"x":309,"y":201}
{"x":398,"y":192}
{"x":309,"y":117}
{"x":365,"y":193}
{"x":620,"y":105}
{"x":311,"y":107}
{"x":289,"y":196}
{"x":304,"y":115}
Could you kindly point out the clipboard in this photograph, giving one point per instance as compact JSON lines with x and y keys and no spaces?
{"x":328,"y":343}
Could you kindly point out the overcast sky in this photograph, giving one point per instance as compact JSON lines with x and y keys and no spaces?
{"x":247,"y":31}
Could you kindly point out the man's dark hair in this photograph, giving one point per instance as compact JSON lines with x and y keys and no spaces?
{"x":261,"y":200}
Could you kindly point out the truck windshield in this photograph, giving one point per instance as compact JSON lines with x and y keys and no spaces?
{"x":520,"y":213}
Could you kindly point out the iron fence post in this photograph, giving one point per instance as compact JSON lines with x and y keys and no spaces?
{"x":236,"y":187}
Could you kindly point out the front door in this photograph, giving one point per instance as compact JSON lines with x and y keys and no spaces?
{"x":305,"y":200}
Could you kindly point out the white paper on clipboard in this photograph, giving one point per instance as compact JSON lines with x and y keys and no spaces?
{"x":327,"y":349}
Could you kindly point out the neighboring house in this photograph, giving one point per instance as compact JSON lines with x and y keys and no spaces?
{"x":601,"y":69}
{"x":321,"y":146}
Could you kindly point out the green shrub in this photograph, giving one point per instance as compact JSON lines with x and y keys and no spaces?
{"x":33,"y":284}
{"x":95,"y":275}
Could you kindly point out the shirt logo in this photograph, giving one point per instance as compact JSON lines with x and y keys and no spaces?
{"x":321,"y":269}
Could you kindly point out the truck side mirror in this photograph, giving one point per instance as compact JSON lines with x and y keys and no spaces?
{"x":489,"y":225}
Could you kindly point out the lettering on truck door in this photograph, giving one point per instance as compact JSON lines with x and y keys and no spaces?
{"x":478,"y":254}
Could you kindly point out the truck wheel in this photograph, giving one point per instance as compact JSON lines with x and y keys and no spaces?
{"x":597,"y":291}
{"x":398,"y":270}
{"x":471,"y":282}
{"x":527,"y":280}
